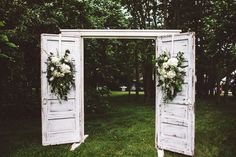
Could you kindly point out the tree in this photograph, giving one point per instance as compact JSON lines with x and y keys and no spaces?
{"x":220,"y":35}
{"x":144,"y":14}
{"x":7,"y":62}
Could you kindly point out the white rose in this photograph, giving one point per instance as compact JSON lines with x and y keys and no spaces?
{"x":171,"y":74}
{"x":172,"y":62}
{"x":55,"y":59}
{"x":65,"y":68}
{"x":165,"y":65}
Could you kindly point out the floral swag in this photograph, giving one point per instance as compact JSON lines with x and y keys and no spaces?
{"x":170,"y":74}
{"x":60,"y":74}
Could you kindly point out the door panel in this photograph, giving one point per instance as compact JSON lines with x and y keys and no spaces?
{"x":61,"y":120}
{"x":175,"y":119}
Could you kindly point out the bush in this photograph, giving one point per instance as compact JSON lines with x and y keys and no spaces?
{"x":96,"y":100}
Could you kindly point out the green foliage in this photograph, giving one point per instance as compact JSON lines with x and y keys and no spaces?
{"x":143,"y":14}
{"x":218,"y":29}
{"x":28,"y":19}
{"x":60,"y":74}
{"x":6,"y":46}
{"x":213,"y":22}
{"x":96,"y":100}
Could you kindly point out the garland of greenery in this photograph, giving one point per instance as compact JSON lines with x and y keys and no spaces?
{"x":170,"y":74}
{"x":60,"y":74}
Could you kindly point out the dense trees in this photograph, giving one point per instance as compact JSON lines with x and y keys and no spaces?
{"x":213,"y":23}
{"x":114,"y":62}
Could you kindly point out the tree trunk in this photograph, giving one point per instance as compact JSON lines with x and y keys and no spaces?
{"x":218,"y":91}
{"x":149,"y":87}
{"x":200,"y":85}
{"x":129,"y":89}
{"x":136,"y":75}
{"x":137,"y":84}
{"x":226,"y":87}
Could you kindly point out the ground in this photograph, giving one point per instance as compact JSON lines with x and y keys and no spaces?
{"x":126,"y":130}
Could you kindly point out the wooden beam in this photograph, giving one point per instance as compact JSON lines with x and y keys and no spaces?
{"x":118,"y":33}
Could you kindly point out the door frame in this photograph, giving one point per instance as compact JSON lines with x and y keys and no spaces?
{"x":110,"y":34}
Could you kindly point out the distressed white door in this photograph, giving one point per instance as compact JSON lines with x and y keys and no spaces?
{"x":175,"y":121}
{"x":62,"y":122}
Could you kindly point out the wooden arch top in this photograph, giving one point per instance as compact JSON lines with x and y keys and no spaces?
{"x":119,"y":33}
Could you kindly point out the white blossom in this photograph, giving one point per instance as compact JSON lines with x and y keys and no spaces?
{"x":61,"y":74}
{"x":165,"y":65}
{"x":162,"y":78}
{"x":51,"y":78}
{"x":163,"y":72}
{"x":58,"y":74}
{"x":171,"y":74}
{"x":173,"y":62}
{"x":180,"y":69}
{"x":65,"y":68}
{"x":55,"y":59}
{"x":55,"y":73}
{"x":52,"y":68}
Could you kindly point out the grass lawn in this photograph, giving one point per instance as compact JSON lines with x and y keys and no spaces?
{"x":127,"y":130}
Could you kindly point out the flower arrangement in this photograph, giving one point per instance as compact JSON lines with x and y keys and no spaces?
{"x":60,"y":74}
{"x":170,"y":74}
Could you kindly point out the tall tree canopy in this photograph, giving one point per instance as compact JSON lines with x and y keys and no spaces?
{"x":114,"y":62}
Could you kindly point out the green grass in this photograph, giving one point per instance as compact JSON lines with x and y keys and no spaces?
{"x":127,"y":130}
{"x":120,"y":93}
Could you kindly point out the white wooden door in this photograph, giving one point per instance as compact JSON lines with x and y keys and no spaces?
{"x":175,"y":121}
{"x":62,"y":122}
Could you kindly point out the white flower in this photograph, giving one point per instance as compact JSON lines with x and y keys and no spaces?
{"x":51,"y":78}
{"x":65,"y":68}
{"x":171,"y":74}
{"x":161,"y":78}
{"x":166,"y":58}
{"x":55,"y":73}
{"x":165,"y":65}
{"x":172,"y":62}
{"x":52,"y":68}
{"x":61,"y":74}
{"x":162,"y":71}
{"x":55,"y":59}
{"x":180,"y":69}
